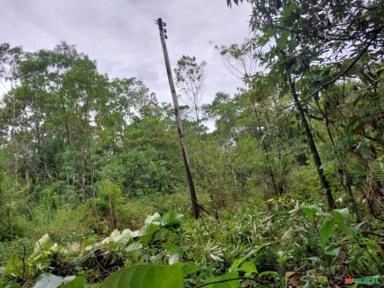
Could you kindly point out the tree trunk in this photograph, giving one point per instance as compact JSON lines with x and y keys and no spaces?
{"x":265,"y":150}
{"x":311,"y":143}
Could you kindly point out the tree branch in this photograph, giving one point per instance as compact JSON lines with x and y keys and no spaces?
{"x":344,"y":72}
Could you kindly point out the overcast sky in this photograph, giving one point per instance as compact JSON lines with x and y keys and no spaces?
{"x":122,"y":37}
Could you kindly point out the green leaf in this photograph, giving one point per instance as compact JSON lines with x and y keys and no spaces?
{"x":357,"y":229}
{"x":9,"y":285}
{"x":47,"y":280}
{"x":173,"y":258}
{"x":235,"y":265}
{"x":238,"y":262}
{"x":119,"y":237}
{"x":288,"y":9}
{"x":344,"y":211}
{"x":309,"y":212}
{"x":149,"y":232}
{"x":331,"y":251}
{"x":78,"y":282}
{"x":325,"y":232}
{"x":44,"y":243}
{"x":288,"y":234}
{"x":154,"y":219}
{"x":186,"y":268}
{"x":229,"y":280}
{"x":171,"y":219}
{"x":146,"y":276}
{"x":134,"y":247}
{"x":268,"y":33}
{"x":339,"y":218}
{"x":247,"y":267}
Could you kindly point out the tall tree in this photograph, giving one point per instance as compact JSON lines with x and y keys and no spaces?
{"x":190,"y":78}
{"x":316,"y":44}
{"x":61,"y":111}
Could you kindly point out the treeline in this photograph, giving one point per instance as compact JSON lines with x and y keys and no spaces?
{"x":308,"y":124}
{"x":72,"y":136}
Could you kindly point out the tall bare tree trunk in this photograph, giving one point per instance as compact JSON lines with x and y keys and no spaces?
{"x":311,"y":142}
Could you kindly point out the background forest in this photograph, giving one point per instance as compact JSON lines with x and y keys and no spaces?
{"x":290,"y":181}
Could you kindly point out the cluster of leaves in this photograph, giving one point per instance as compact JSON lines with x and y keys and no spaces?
{"x":301,"y":246}
{"x":328,"y":56}
{"x":92,"y":258}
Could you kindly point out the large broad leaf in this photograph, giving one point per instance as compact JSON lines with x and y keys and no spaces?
{"x":44,"y":243}
{"x":243,"y":266}
{"x":47,"y":280}
{"x":339,"y":217}
{"x":155,"y":219}
{"x":186,"y":269}
{"x":326,"y":231}
{"x":134,"y":247}
{"x":78,"y":282}
{"x":247,"y":267}
{"x":120,"y":237}
{"x":171,"y":219}
{"x":146,"y":276}
{"x":148,"y":232}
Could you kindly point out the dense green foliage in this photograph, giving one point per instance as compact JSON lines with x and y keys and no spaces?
{"x":291,"y":243}
{"x":290,"y":181}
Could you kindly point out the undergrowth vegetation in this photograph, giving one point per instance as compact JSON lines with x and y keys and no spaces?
{"x":291,"y":244}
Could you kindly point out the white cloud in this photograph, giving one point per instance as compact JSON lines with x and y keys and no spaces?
{"x":121,"y":34}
